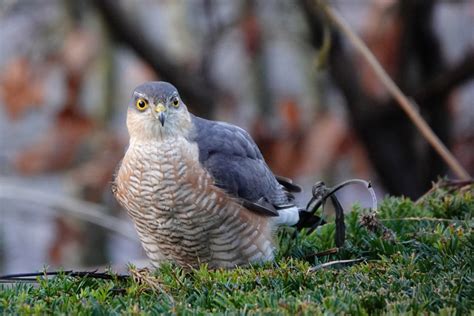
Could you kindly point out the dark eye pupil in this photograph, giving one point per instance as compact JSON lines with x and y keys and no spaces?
{"x":175,"y":101}
{"x":141,"y":103}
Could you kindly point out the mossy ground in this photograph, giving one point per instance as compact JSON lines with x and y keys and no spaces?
{"x":427,"y":269}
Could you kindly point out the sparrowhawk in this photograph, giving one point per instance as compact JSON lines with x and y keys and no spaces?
{"x":198,"y":191}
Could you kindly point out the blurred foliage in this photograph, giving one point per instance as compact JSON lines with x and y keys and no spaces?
{"x":426,"y":269}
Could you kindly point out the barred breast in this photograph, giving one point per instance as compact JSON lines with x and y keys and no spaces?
{"x":179,"y":213}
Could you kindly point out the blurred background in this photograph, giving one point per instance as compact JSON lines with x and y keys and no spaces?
{"x":67,"y":70}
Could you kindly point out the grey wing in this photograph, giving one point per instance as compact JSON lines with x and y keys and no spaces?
{"x":230,"y":155}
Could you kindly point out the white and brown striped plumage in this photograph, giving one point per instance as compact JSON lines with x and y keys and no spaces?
{"x":198,"y":191}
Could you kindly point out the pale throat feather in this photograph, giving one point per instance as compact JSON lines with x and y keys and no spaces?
{"x":143,"y":126}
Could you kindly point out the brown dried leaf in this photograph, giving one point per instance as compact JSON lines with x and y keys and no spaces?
{"x":20,"y":87}
{"x":290,"y":115}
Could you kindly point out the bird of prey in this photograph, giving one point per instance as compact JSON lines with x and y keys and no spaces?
{"x":198,"y":191}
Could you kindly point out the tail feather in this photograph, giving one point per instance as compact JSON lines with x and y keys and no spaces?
{"x":288,"y":184}
{"x":288,"y":216}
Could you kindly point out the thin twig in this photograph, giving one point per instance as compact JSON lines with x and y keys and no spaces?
{"x":33,"y":277}
{"x":421,"y":219}
{"x":402,"y":100}
{"x":126,"y":28}
{"x":445,"y":184}
{"x":334,"y":263}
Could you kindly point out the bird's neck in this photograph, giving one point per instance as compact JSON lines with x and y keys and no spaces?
{"x":150,"y":130}
{"x":176,"y":146}
{"x":158,"y":137}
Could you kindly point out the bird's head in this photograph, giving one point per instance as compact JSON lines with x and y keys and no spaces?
{"x":156,"y":111}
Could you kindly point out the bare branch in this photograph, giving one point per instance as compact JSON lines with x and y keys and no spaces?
{"x":86,"y":211}
{"x":425,"y":219}
{"x":402,"y":100}
{"x":443,"y":84}
{"x":192,"y":87}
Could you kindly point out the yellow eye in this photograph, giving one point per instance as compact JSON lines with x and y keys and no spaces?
{"x":175,"y":102}
{"x":141,"y":104}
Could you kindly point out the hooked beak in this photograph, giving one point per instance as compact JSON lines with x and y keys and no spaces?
{"x":160,"y":113}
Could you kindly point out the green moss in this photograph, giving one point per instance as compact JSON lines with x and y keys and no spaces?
{"x":428,"y":268}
